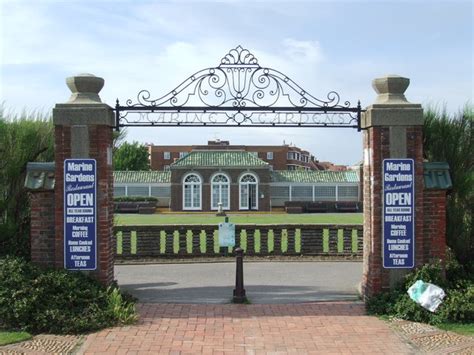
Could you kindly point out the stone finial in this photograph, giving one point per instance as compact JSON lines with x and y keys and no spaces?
{"x":391,"y":89}
{"x":85,"y":89}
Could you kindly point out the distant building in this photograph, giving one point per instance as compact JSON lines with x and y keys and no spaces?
{"x":326,"y":165}
{"x":279,"y":157}
{"x":239,"y":180}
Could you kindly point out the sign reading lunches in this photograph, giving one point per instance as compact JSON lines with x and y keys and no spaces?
{"x":398,"y":213}
{"x":80,"y":214}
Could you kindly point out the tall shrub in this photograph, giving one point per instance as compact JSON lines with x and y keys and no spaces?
{"x":131,"y":156}
{"x":449,"y":138}
{"x":23,"y":138}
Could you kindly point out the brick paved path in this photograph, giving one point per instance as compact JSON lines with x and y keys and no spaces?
{"x":319,"y":328}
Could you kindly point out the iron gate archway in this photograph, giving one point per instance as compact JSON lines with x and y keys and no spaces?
{"x":238,"y":93}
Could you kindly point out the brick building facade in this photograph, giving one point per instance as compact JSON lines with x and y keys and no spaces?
{"x":279,"y":157}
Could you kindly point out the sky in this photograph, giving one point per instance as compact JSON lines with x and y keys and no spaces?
{"x":155,"y":45}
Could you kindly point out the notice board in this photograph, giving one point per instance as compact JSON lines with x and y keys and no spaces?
{"x":80,"y":214}
{"x":398,"y":213}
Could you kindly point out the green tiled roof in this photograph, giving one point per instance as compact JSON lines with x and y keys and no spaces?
{"x":436,"y":176}
{"x":219,"y":159}
{"x":147,"y":177}
{"x":305,"y":176}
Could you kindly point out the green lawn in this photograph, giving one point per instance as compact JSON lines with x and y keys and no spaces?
{"x":258,"y":218}
{"x":464,"y":329}
{"x":13,"y":337}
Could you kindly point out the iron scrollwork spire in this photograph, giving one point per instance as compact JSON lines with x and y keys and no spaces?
{"x":239,"y":92}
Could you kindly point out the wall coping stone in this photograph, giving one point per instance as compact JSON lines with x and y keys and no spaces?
{"x":83,"y":114}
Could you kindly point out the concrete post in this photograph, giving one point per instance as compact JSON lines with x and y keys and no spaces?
{"x":392,"y":129}
{"x":83,"y":129}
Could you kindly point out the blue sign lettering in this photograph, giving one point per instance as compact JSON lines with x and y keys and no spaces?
{"x":398,"y":213}
{"x":80,"y":214}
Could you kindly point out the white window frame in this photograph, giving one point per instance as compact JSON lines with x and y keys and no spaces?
{"x":193,"y":186}
{"x":182,"y":154}
{"x":220,"y":184}
{"x":248,"y":183}
{"x":269,"y":155}
{"x":166,"y":155}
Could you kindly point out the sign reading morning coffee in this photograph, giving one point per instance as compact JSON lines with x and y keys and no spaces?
{"x":398,"y":213}
{"x":80,"y":214}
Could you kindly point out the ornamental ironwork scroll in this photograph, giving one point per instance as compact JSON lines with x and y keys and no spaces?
{"x":238,"y":92}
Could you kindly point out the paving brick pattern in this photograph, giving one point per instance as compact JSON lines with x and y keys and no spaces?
{"x":311,"y":328}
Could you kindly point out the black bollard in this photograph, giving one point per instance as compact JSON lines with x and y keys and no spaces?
{"x":239,"y":291}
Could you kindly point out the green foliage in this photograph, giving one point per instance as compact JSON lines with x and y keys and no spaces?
{"x":450,"y":139}
{"x":24,"y":138}
{"x":58,"y":301}
{"x":131,"y":156}
{"x":457,"y":306}
{"x":135,"y":199}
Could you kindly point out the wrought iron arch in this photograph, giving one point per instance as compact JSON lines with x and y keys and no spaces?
{"x":238,"y":92}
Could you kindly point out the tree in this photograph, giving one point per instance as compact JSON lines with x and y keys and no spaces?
{"x":450,"y":139}
{"x":131,"y":156}
{"x":25,"y":138}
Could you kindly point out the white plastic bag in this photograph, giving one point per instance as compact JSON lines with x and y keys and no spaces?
{"x":427,"y":295}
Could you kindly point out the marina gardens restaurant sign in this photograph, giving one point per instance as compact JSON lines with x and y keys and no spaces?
{"x":80,"y":214}
{"x":398,"y":213}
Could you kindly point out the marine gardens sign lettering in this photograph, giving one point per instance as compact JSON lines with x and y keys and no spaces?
{"x":80,"y":213}
{"x":398,"y":213}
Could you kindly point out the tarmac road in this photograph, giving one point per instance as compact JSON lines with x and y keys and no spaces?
{"x":265,"y":282}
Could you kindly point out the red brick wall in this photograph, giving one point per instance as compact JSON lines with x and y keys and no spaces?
{"x":206,"y":174}
{"x":100,"y":139}
{"x":62,"y":150}
{"x":279,"y":162}
{"x":434,"y":225}
{"x":377,"y":140}
{"x":42,"y":228}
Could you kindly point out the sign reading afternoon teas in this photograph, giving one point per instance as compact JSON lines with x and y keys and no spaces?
{"x":80,"y":214}
{"x":398,"y":213}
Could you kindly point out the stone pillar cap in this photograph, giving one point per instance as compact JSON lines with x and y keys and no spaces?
{"x":85,"y":88}
{"x":391,"y":89}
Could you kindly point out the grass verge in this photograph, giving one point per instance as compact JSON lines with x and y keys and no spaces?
{"x":260,"y":218}
{"x":460,"y":328}
{"x":13,"y":337}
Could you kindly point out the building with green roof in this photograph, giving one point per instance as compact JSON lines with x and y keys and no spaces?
{"x":237,"y":180}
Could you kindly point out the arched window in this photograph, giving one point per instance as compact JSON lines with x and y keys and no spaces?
{"x":220,"y":191}
{"x":248,"y":192}
{"x":192,"y":192}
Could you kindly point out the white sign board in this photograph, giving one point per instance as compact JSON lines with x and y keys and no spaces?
{"x":226,"y":234}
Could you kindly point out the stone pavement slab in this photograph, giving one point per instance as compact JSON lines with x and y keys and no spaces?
{"x":43,"y":344}
{"x":433,"y":340}
{"x":265,"y":282}
{"x":311,"y":328}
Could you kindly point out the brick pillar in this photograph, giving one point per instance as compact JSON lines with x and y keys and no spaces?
{"x":83,"y":129}
{"x":392,"y":129}
{"x":42,"y":228}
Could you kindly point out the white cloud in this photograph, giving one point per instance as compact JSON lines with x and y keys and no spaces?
{"x":306,"y":52}
{"x":155,"y":46}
